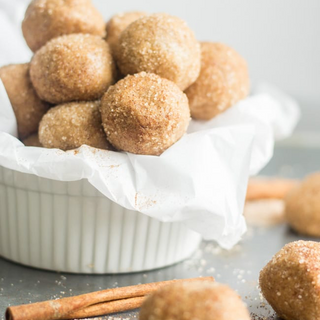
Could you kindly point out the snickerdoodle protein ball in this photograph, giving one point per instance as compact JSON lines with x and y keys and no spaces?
{"x":27,"y":106}
{"x":32,"y":141}
{"x":160,"y":44}
{"x":144,"y":114}
{"x":189,"y":301}
{"x":303,"y":206}
{"x":76,"y":67}
{"x":290,"y":281}
{"x":48,"y":19}
{"x":223,"y":81}
{"x":69,"y":126}
{"x":118,"y":23}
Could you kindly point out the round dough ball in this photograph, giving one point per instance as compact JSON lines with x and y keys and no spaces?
{"x":69,"y":126}
{"x":144,"y":114}
{"x":160,"y":44}
{"x":118,"y":23}
{"x":27,"y":106}
{"x":32,"y":141}
{"x":48,"y":19}
{"x":290,"y":281}
{"x":198,"y":300}
{"x":223,"y":81}
{"x":303,"y":206}
{"x":76,"y":67}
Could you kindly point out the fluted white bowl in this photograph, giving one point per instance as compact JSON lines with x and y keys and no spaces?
{"x":72,"y":227}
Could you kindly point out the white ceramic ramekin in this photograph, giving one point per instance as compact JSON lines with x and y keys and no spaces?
{"x":72,"y":227}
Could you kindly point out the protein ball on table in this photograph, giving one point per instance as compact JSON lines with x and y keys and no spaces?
{"x":144,"y":114}
{"x":32,"y":141}
{"x":76,"y":67}
{"x":69,"y":126}
{"x":27,"y":106}
{"x":160,"y":44}
{"x":290,"y":281}
{"x":223,"y":81}
{"x":118,"y":23}
{"x":48,"y":19}
{"x":303,"y":206}
{"x":189,"y":301}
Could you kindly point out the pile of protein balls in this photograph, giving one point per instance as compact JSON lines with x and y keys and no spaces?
{"x":131,"y":84}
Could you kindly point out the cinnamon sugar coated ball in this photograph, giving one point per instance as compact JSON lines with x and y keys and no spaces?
{"x":75,"y":67}
{"x":48,"y":19}
{"x":160,"y":44}
{"x":290,"y":282}
{"x":27,"y":106}
{"x":189,"y":301}
{"x":223,"y":81}
{"x":32,"y":141}
{"x":118,"y":23}
{"x":303,"y":206}
{"x":144,"y":114}
{"x":69,"y":126}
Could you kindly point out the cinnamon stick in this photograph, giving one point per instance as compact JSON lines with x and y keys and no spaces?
{"x":108,"y":307}
{"x":269,"y":188}
{"x":95,"y":303}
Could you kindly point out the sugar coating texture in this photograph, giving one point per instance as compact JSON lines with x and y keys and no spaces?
{"x":290,"y":282}
{"x":144,"y":114}
{"x":48,"y":19}
{"x":160,"y":44}
{"x":223,"y":81}
{"x":118,"y":23}
{"x":32,"y":141}
{"x":27,"y":106}
{"x":303,"y":206}
{"x":69,"y":126}
{"x":77,"y":67}
{"x":189,"y":301}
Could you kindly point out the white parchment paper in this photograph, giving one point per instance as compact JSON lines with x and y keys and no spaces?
{"x":201,"y":180}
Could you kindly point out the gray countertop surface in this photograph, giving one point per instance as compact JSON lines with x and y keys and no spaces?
{"x":239,"y":267}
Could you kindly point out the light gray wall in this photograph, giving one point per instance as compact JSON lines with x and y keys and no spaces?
{"x":279,"y":38}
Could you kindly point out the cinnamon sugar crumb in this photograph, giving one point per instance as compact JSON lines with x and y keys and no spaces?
{"x":69,"y":126}
{"x":223,"y":81}
{"x":118,"y":23}
{"x":48,"y":19}
{"x":290,"y":282}
{"x":160,"y":44}
{"x":75,"y":67}
{"x":144,"y":114}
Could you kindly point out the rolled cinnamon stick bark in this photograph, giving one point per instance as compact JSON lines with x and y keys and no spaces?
{"x":269,"y":188}
{"x":108,"y":307}
{"x":66,"y":308}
